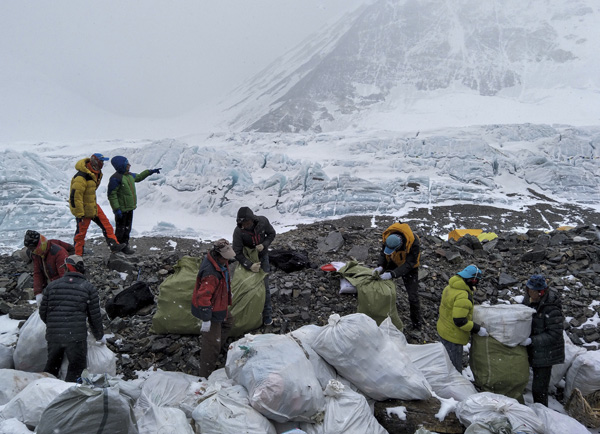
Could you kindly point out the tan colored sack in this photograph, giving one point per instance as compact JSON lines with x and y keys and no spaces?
{"x":584,"y":409}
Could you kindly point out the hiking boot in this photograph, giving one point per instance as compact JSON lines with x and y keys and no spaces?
{"x":267,"y":321}
{"x":115,"y":247}
{"x":128,"y":250}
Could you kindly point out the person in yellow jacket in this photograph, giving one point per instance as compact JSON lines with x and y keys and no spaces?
{"x":82,"y":201}
{"x":400,"y":256}
{"x":455,"y":323}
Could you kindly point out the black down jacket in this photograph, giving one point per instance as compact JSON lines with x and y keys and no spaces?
{"x":547,"y":343}
{"x":68,"y":303}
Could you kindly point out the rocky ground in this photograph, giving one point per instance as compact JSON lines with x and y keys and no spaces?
{"x":570,"y":259}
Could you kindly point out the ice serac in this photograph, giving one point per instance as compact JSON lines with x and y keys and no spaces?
{"x":393,"y":53}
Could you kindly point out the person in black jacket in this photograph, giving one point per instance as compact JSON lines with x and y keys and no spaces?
{"x":67,"y":304}
{"x":546,"y":345}
{"x":255,"y":232}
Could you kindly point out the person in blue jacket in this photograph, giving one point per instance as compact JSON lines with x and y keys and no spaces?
{"x":123,"y":199}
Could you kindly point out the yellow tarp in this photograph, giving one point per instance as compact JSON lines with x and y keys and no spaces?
{"x":457,"y":233}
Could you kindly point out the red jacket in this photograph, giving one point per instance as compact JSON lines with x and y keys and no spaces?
{"x":50,"y":265}
{"x":212,"y":294}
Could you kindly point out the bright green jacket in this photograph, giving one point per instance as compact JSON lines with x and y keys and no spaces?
{"x":457,"y":303}
{"x":121,"y":190}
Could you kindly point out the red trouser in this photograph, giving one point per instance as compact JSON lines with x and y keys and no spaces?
{"x":82,"y":226}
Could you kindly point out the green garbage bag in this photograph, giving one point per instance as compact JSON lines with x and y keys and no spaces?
{"x":248,"y":291}
{"x":376,"y":297}
{"x":499,"y":368}
{"x":173,"y":311}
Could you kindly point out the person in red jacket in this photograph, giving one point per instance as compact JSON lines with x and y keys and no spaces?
{"x":48,"y":257}
{"x":211,"y":301}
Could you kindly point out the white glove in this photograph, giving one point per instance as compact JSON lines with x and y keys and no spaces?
{"x":386,"y":276}
{"x":101,"y":341}
{"x":482,"y":332}
{"x":205,"y":327}
{"x":260,"y":248}
{"x":38,"y":299}
{"x":377,"y":270}
{"x":526,"y":342}
{"x":255,"y":268}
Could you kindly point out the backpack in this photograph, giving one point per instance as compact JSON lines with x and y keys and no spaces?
{"x":289,"y":260}
{"x":130,"y":300}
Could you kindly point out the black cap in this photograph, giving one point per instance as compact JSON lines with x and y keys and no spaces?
{"x":32,"y":238}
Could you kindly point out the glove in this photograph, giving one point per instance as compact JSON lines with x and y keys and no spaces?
{"x":526,"y":342}
{"x":153,"y":171}
{"x":255,"y":268}
{"x":260,"y":248}
{"x":377,"y":270}
{"x":38,"y":299}
{"x":102,"y":341}
{"x":205,"y":327}
{"x":386,"y":276}
{"x":118,"y":213}
{"x":482,"y":332}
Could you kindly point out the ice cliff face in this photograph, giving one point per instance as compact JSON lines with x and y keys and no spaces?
{"x":291,"y":177}
{"x":394,"y":52}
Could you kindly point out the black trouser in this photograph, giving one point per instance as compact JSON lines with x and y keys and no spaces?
{"x":540,"y":384}
{"x":411,"y":283}
{"x":268,"y":308}
{"x":455,"y":352}
{"x":212,"y":344}
{"x":76,"y":353}
{"x":123,"y":227}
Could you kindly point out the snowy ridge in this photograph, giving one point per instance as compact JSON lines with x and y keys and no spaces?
{"x":442,"y":61}
{"x":299,"y":178}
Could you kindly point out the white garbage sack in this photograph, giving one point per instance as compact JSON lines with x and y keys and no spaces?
{"x":13,"y":426}
{"x":281,"y":382}
{"x":558,"y":423}
{"x":88,"y":409}
{"x":166,"y":420}
{"x":28,"y":405}
{"x":345,"y":412}
{"x":13,"y":381}
{"x":509,"y":324}
{"x":305,"y":336}
{"x":364,"y":355}
{"x":486,"y":407}
{"x":571,"y":352}
{"x":6,"y":357}
{"x":31,"y":352}
{"x":433,"y":361}
{"x":229,"y":411}
{"x":584,"y":374}
{"x":100,"y":358}
{"x":167,"y":389}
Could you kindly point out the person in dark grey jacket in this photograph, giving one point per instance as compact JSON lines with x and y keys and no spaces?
{"x":255,"y":232}
{"x":67,"y":304}
{"x":545,"y":346}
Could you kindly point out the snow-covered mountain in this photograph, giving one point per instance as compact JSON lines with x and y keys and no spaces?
{"x":293,"y":178}
{"x":402,"y":64}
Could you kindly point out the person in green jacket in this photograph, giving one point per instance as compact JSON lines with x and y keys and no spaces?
{"x":455,"y":323}
{"x":123,"y":199}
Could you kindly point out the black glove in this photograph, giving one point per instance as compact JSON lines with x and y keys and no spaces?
{"x":153,"y":171}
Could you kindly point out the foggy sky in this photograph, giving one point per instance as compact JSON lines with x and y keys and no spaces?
{"x":142,"y":58}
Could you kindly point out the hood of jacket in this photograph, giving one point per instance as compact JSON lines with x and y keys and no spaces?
{"x":244,"y":213}
{"x":120,"y":164}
